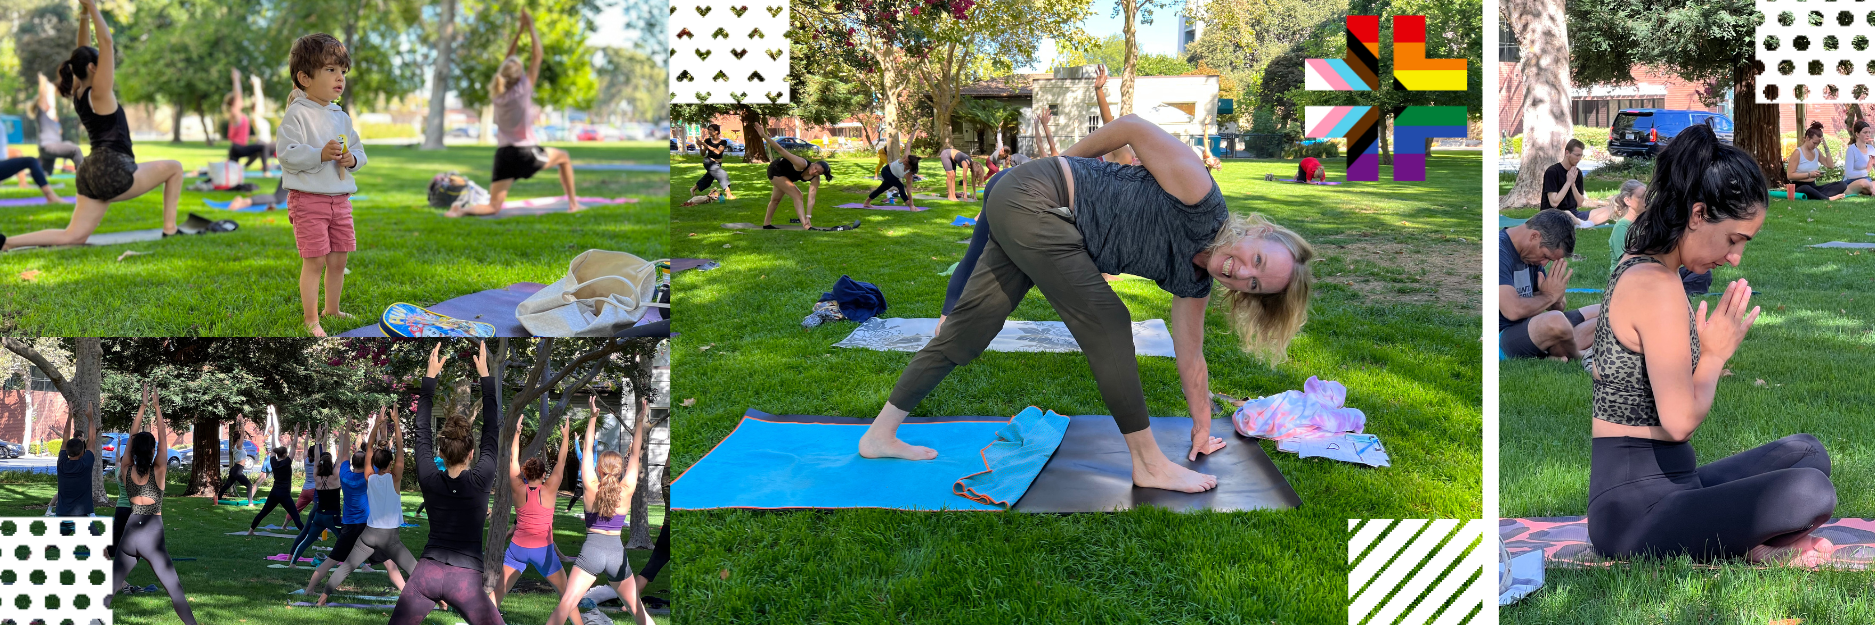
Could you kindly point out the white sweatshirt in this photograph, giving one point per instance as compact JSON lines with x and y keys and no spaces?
{"x":304,"y":131}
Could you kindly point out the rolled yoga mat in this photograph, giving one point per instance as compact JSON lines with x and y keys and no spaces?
{"x":884,"y":207}
{"x":494,"y":307}
{"x":800,"y":461}
{"x":896,"y":334}
{"x":1565,"y":541}
{"x":30,"y":201}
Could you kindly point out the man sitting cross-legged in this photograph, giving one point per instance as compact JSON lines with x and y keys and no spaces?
{"x":1531,"y":320}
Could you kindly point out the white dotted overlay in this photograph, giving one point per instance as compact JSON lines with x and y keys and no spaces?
{"x":45,"y":575}
{"x":1822,"y":46}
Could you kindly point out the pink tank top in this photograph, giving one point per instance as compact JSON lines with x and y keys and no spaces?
{"x":533,"y":524}
{"x":238,"y":130}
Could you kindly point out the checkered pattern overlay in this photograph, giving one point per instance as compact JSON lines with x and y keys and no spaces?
{"x":1822,"y":47}
{"x":1415,"y":571}
{"x":729,"y":52}
{"x":46,"y":575}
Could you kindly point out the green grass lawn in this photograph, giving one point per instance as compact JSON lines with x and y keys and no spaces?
{"x":229,"y":582}
{"x":1804,"y":368}
{"x":1396,"y":319}
{"x":245,"y":283}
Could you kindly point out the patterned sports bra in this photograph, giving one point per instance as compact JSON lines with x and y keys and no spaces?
{"x":1623,"y":395}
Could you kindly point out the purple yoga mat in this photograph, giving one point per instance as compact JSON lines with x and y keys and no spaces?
{"x":30,"y":201}
{"x":494,"y":307}
{"x":884,"y":207}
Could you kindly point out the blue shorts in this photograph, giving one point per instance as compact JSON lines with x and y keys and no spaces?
{"x":544,"y":559}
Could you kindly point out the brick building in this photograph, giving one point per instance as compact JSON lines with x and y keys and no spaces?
{"x":50,"y":413}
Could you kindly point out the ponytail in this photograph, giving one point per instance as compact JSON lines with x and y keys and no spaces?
{"x":1696,"y":169}
{"x":74,"y":69}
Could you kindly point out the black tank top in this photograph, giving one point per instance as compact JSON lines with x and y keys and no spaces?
{"x":108,"y":132}
{"x":282,"y":474}
{"x":782,"y":168}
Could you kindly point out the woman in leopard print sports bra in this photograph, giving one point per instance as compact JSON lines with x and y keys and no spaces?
{"x":1655,"y":377}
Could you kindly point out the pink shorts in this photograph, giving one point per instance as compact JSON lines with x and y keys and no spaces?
{"x":322,"y":224}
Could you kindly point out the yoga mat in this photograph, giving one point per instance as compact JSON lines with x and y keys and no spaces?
{"x":361,"y":606}
{"x":194,"y":224}
{"x":355,"y":571}
{"x":1779,"y":193}
{"x":251,"y":208}
{"x":779,"y":463}
{"x":1293,"y":181}
{"x":1511,"y":222}
{"x":1564,"y":541}
{"x":281,"y":557}
{"x":493,"y":306}
{"x":262,"y":533}
{"x":963,"y":221}
{"x":679,"y":265}
{"x":619,"y":167}
{"x":896,"y":334}
{"x":884,"y":207}
{"x":549,"y":205}
{"x":775,"y":461}
{"x":302,"y":591}
{"x":937,"y":198}
{"x":30,"y":201}
{"x":1859,"y":246}
{"x":750,"y":226}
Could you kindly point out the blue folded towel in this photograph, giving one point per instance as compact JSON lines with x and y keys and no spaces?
{"x":1012,"y":461}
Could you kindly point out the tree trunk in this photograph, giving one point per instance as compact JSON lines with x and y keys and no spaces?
{"x":28,"y":435}
{"x":1543,"y":29}
{"x":87,"y":385}
{"x":1757,"y":125}
{"x":1386,"y":132}
{"x":175,"y":126}
{"x":351,"y":34}
{"x":205,"y":470}
{"x":1130,"y":27}
{"x":201,"y":117}
{"x":500,"y":529}
{"x":439,"y":87}
{"x":641,"y":508}
{"x":754,"y":150}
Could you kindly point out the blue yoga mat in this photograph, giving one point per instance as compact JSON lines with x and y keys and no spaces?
{"x":963,"y":221}
{"x":768,"y":464}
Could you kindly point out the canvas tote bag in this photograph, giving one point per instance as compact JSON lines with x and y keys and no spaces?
{"x":603,"y":293}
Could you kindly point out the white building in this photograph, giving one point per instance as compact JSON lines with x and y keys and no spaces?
{"x":1188,"y":31}
{"x":1185,"y":106}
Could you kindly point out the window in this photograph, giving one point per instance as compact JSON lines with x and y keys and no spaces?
{"x":1054,"y":109}
{"x":1506,"y":43}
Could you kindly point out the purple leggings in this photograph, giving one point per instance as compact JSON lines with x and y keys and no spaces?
{"x":434,"y":581}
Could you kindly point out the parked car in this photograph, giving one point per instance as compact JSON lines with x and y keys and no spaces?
{"x":797,"y":146}
{"x":1644,"y":133}
{"x":736,"y":148}
{"x":112,"y":444}
{"x":586,"y":133}
{"x":10,"y":449}
{"x":673,"y":146}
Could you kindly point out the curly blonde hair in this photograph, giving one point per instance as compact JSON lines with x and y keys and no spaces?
{"x":1267,"y":322}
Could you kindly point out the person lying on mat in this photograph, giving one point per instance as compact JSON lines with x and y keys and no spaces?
{"x":896,"y":175}
{"x":1311,"y":170}
{"x":1531,"y":319}
{"x":1562,"y":189}
{"x":518,"y":153}
{"x":1804,"y":168}
{"x":1657,"y":368}
{"x":784,"y":172}
{"x":1058,"y":223}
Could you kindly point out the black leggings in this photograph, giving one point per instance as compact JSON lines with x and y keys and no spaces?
{"x":278,"y":497}
{"x":233,"y":478}
{"x":660,"y":553}
{"x":889,"y":181}
{"x":117,"y":530}
{"x":1823,"y":192}
{"x":712,"y":172}
{"x":978,"y":237}
{"x":250,"y":152}
{"x":143,"y":540}
{"x":1648,"y":496}
{"x":12,"y":166}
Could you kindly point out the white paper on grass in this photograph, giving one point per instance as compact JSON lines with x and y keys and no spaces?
{"x":42,"y":542}
{"x":1346,"y":447}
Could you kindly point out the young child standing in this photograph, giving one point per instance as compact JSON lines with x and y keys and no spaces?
{"x":319,"y":156}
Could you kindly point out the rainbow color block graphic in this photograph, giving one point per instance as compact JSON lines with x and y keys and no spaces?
{"x":1411,"y":128}
{"x":1359,"y":70}
{"x":1412,"y":71}
{"x":1361,"y":125}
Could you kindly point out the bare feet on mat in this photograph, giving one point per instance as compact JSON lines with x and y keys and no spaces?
{"x":322,"y":600}
{"x":881,"y":447}
{"x":239,"y":203}
{"x":574,"y":207}
{"x":1170,"y":476}
{"x":1807,"y":552}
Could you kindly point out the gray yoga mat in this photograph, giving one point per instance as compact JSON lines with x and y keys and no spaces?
{"x":896,"y":334}
{"x":1859,"y":246}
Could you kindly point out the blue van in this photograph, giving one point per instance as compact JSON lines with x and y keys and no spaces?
{"x":1645,"y":132}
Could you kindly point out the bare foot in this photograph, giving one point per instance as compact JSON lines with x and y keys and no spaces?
{"x":453,"y":211}
{"x":574,"y":207}
{"x":871,"y":447}
{"x":239,"y":203}
{"x":322,"y":600}
{"x":1809,"y":551}
{"x":337,"y":313}
{"x":250,"y":532}
{"x":1837,"y":197}
{"x":56,"y":200}
{"x":313,"y":327}
{"x":729,"y":196}
{"x":1170,"y":476}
